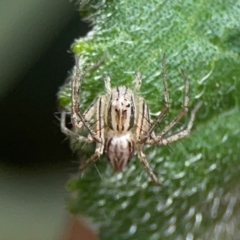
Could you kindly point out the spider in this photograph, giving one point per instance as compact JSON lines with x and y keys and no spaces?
{"x":122,"y":122}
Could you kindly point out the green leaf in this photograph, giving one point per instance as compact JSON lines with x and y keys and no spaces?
{"x":200,"y":174}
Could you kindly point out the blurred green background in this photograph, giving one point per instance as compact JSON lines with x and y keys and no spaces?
{"x":35,"y":39}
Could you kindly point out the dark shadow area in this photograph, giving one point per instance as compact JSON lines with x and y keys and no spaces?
{"x":30,"y":132}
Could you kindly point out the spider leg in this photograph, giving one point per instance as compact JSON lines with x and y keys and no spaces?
{"x":88,"y":114}
{"x":138,"y":81}
{"x":165,"y":108}
{"x":100,"y":108}
{"x":69,"y":132}
{"x":107,"y":82}
{"x":94,"y":157}
{"x":144,"y":162}
{"x":179,"y":135}
{"x":142,"y":126}
{"x":143,"y":119}
{"x":181,"y":114}
{"x":76,"y":113}
{"x":64,"y":129}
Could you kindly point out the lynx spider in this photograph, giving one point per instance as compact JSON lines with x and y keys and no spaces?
{"x":122,"y":121}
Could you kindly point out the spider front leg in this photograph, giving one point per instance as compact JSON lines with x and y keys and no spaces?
{"x":76,"y":114}
{"x":78,"y":119}
{"x":147,"y":135}
{"x":138,"y":80}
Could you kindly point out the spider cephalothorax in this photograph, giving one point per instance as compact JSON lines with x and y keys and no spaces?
{"x":120,"y":126}
{"x":122,"y":122}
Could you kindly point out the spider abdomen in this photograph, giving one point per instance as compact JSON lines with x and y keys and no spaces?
{"x":119,"y":148}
